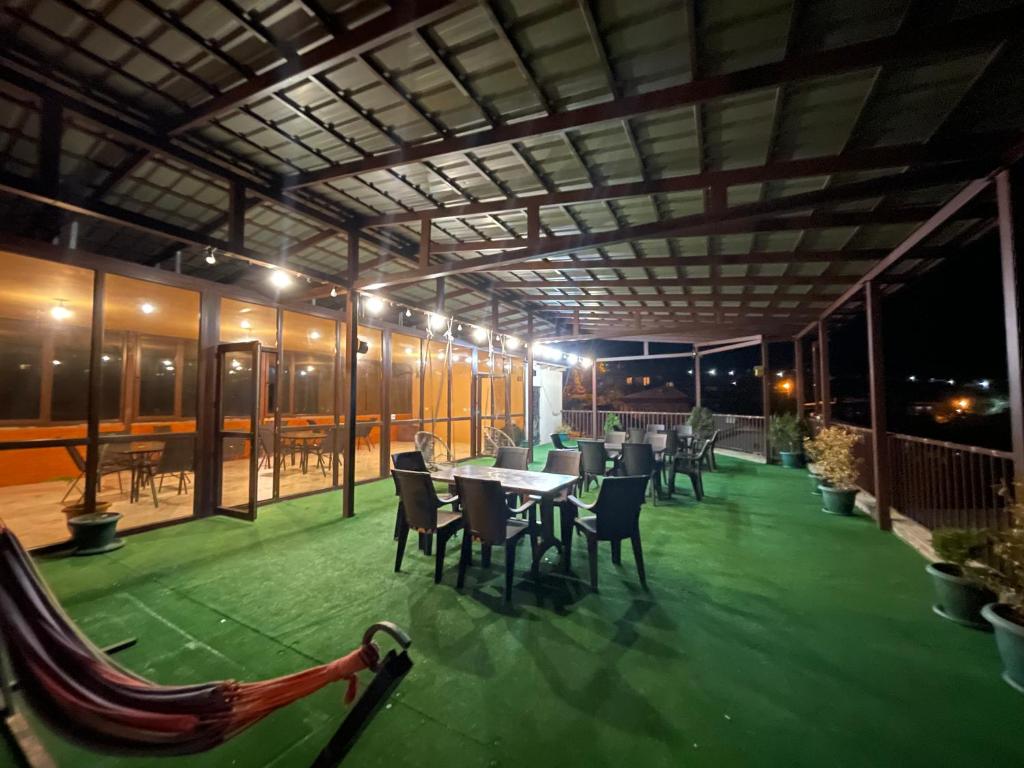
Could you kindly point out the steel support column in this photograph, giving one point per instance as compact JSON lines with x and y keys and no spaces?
{"x":800,"y":385}
{"x":531,"y":438}
{"x":206,"y":421}
{"x":766,"y":397}
{"x":593,"y":401}
{"x":824,"y":388}
{"x":1011,"y":225}
{"x":352,"y":379}
{"x":879,"y":422}
{"x":696,"y":378}
{"x":92,"y":450}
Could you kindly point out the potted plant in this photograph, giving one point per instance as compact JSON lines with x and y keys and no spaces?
{"x":1007,"y":579}
{"x":702,"y":423}
{"x":611,"y":423}
{"x":838,"y":466}
{"x":960,"y":594}
{"x":811,"y":454}
{"x":93,"y":533}
{"x":785,"y":434}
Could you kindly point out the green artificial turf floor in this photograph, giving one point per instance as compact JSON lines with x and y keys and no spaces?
{"x":772,"y":635}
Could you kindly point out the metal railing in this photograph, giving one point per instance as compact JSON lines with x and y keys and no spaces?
{"x":736,"y":433}
{"x":940,"y":484}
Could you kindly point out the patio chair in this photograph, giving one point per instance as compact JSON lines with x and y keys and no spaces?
{"x":636,"y":435}
{"x":364,"y":433}
{"x":669,"y":453}
{"x":690,"y":463}
{"x":109,"y":464}
{"x":684,"y":430}
{"x":494,"y":439}
{"x":616,"y":516}
{"x":487,"y":518}
{"x":593,"y":461}
{"x":656,"y":428}
{"x":431,"y":446}
{"x":177,"y":458}
{"x":409,"y":461}
{"x":265,"y":435}
{"x":564,"y":462}
{"x":558,"y":439}
{"x":421,"y":511}
{"x":638,"y":459}
{"x":510,"y":457}
{"x":709,"y":457}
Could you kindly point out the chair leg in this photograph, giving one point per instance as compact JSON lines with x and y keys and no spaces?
{"x":153,"y":488}
{"x":399,"y":515}
{"x":71,"y":487}
{"x":638,"y":555}
{"x":442,"y":541}
{"x":467,"y":546}
{"x":511,"y":547}
{"x":403,"y":537}
{"x":617,"y":552}
{"x":485,"y":555}
{"x":592,"y":557}
{"x":427,"y":544}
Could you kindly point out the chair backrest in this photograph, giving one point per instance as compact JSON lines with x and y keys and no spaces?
{"x":483,"y":508}
{"x":76,"y":457}
{"x":556,"y":440}
{"x":714,"y":437}
{"x":409,"y":461}
{"x":656,"y":428}
{"x":266,"y":435}
{"x":707,"y":446}
{"x":178,"y":456}
{"x":636,"y":435}
{"x":615,"y":437}
{"x":563,"y":462}
{"x":671,"y":442}
{"x":618,"y":506}
{"x":684,"y":430}
{"x":312,"y":422}
{"x":512,"y":458}
{"x":363,"y":429}
{"x":638,"y":459}
{"x":419,"y":499}
{"x":657,"y":441}
{"x":161,"y":429}
{"x":593,"y":456}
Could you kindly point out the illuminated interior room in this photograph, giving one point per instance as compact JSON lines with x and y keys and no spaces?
{"x":502,"y":383}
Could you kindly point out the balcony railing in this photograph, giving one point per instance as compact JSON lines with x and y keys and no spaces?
{"x":736,"y":433}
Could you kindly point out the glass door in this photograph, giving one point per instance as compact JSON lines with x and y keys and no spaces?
{"x":243,"y":442}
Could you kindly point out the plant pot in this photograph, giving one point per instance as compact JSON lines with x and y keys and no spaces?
{"x":957,"y":598}
{"x":75,"y":510}
{"x":95,"y":533}
{"x":816,"y":482}
{"x":838,"y":501}
{"x":1009,"y":641}
{"x":791,"y":459}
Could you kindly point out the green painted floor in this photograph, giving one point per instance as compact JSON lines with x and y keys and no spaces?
{"x":772,"y":635}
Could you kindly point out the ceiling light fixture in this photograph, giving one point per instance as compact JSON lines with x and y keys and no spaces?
{"x":374,"y":305}
{"x":280,"y":279}
{"x":512,"y":342}
{"x":480,"y":335}
{"x":147,"y":308}
{"x":60,"y":312}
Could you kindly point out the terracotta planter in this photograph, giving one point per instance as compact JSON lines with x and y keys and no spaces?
{"x":1009,"y":641}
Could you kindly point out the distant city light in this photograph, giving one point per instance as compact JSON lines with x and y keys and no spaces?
{"x":732,"y":373}
{"x":911,"y":378}
{"x":984,"y":383}
{"x":690,"y":371}
{"x":778,"y":374}
{"x":713,"y":372}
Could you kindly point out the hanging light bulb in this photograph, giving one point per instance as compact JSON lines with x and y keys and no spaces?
{"x":460,"y":327}
{"x":211,"y":257}
{"x":571,"y":359}
{"x":586,"y":362}
{"x":512,"y":342}
{"x":437,"y":322}
{"x":334,"y":292}
{"x":374,"y":305}
{"x":479,"y":335}
{"x":408,"y":312}
{"x":280,"y":279}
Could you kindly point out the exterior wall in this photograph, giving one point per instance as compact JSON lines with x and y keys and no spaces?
{"x":549,"y":406}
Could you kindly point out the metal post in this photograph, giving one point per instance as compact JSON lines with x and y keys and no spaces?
{"x":816,"y":376}
{"x":531,"y":438}
{"x":696,"y":378}
{"x":798,"y":357}
{"x":766,"y":397}
{"x":879,"y":425}
{"x":824,"y":388}
{"x":206,"y":422}
{"x":1011,"y":208}
{"x":92,"y":450}
{"x":593,"y":401}
{"x":348,"y":493}
{"x":384,"y":452}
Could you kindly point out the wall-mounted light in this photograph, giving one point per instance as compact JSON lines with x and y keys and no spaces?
{"x":374,"y":305}
{"x":314,"y":335}
{"x":147,"y":308}
{"x":280,"y":279}
{"x":59,"y":311}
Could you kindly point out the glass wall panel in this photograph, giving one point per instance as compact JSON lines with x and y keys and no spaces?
{"x":368,"y":405}
{"x":45,"y":316}
{"x":244,"y":321}
{"x":406,"y":391}
{"x":307,"y":403}
{"x":462,"y":402}
{"x":149,"y":364}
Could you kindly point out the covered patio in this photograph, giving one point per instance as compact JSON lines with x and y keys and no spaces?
{"x":256,"y":256}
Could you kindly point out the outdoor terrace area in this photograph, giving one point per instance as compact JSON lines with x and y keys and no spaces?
{"x":771,"y":634}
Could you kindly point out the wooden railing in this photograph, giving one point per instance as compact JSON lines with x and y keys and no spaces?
{"x":741,"y":433}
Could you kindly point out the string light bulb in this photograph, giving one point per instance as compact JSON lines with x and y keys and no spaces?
{"x":334,"y":292}
{"x":211,"y":257}
{"x":511,"y":342}
{"x":374,"y":305}
{"x":479,"y":335}
{"x":408,"y":312}
{"x":280,"y":279}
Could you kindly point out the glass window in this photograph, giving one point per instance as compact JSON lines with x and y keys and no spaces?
{"x":243,"y":321}
{"x":308,"y":373}
{"x":435,"y":376}
{"x":20,"y":370}
{"x":157,"y":376}
{"x":405,"y":386}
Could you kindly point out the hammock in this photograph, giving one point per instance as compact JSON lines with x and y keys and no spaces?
{"x":85,"y":696}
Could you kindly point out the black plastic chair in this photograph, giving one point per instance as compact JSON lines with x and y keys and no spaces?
{"x":421,"y":511}
{"x":558,"y":439}
{"x":593,"y":461}
{"x":690,"y":464}
{"x":488,"y":519}
{"x":616,"y":516}
{"x":512,"y":458}
{"x":363,"y":432}
{"x":709,"y":458}
{"x":638,"y":459}
{"x":564,"y":462}
{"x":636,"y":435}
{"x":177,"y":458}
{"x":409,"y":461}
